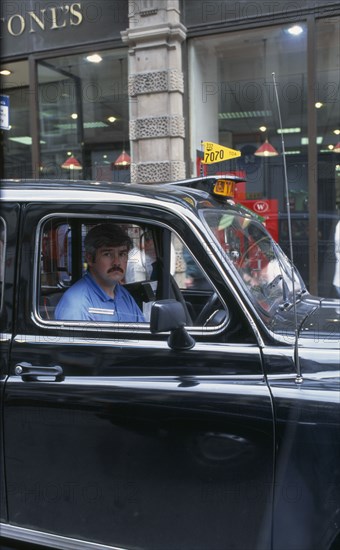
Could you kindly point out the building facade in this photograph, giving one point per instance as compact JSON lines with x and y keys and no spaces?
{"x":121,"y":90}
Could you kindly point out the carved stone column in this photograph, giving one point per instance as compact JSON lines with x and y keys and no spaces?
{"x":157,"y":128}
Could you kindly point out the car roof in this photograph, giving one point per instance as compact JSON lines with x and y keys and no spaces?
{"x":41,"y":190}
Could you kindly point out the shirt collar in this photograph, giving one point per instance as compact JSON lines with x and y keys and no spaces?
{"x":97,"y":289}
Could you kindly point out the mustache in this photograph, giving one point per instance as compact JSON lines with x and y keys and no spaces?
{"x":115,"y":268}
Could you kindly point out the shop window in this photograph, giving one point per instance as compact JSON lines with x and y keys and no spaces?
{"x":328,"y":127}
{"x":232,"y":89}
{"x":17,"y":136}
{"x":83,"y":114}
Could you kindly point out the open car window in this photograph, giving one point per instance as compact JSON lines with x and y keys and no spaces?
{"x":159,"y":266}
{"x":64,"y":262}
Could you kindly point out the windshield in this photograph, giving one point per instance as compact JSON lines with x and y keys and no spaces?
{"x":261,"y":266}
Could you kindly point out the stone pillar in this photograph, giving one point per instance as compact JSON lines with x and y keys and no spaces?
{"x":156,"y":88}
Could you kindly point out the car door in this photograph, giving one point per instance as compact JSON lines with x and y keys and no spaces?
{"x":113,"y":437}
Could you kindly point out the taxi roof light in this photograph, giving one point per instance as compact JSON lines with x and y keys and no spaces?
{"x":224,"y":188}
{"x":214,"y":185}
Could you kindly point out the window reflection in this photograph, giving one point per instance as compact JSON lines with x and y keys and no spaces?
{"x":328,"y":128}
{"x":231,"y":87}
{"x":83,"y":112}
{"x":17,"y":140}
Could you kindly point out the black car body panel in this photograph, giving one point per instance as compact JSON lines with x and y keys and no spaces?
{"x":111,"y":439}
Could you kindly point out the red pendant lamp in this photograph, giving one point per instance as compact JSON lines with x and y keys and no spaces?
{"x":266,"y":150}
{"x":337,"y":148}
{"x":72,"y":164}
{"x":123,"y":160}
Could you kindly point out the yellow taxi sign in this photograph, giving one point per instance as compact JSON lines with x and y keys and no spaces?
{"x":217,"y":153}
{"x":224,"y":188}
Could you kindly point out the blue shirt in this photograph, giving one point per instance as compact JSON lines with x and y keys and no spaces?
{"x":87,"y":301}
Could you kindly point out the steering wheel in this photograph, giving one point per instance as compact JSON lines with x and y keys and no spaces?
{"x":212,"y":304}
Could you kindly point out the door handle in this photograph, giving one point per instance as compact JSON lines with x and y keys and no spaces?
{"x":31,"y":373}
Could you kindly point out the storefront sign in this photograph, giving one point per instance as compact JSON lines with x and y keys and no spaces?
{"x":33,"y":26}
{"x":50,"y":18}
{"x":4,"y":112}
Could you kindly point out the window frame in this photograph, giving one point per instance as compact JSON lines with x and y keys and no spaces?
{"x":123,"y":329}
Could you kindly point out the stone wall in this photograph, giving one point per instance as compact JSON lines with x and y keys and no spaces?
{"x":156,"y":86}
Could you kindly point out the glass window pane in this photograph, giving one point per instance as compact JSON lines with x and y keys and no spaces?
{"x":328,"y":128}
{"x":232,"y":90}
{"x":83,"y":112}
{"x":90,"y":259}
{"x":17,"y":140}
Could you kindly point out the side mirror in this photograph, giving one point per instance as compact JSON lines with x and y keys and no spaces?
{"x":169,"y":315}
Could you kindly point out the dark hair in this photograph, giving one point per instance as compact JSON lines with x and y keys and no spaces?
{"x":108,"y":235}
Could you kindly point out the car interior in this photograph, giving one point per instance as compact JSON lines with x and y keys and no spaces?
{"x":156,"y":269}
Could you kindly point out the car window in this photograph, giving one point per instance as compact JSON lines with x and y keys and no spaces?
{"x":263,"y":269}
{"x":65,"y":264}
{"x":73,"y":284}
{"x":188,"y":272}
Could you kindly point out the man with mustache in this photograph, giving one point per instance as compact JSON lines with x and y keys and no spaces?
{"x":99,"y":295}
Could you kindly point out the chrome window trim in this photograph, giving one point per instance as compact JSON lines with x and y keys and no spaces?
{"x":89,"y":326}
{"x":5,"y":337}
{"x":50,"y":540}
{"x":250,"y":349}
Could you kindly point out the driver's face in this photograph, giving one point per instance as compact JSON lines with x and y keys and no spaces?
{"x":109,"y":266}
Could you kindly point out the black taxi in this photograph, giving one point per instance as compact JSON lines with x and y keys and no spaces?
{"x":212,"y":423}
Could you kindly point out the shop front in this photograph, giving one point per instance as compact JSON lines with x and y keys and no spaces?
{"x":124,"y":91}
{"x":68,"y":100}
{"x":238,"y":52}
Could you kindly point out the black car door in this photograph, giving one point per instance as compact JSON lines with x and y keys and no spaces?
{"x":112,"y":437}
